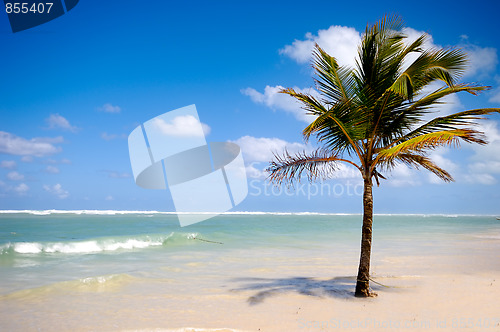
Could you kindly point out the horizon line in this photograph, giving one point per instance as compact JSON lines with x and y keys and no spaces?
{"x":113,"y":212}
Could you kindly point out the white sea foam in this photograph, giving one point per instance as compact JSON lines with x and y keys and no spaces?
{"x":99,"y":280}
{"x":28,"y":248}
{"x":187,"y":329}
{"x":78,"y":212}
{"x":82,"y":247}
{"x":152,"y":213}
{"x":489,"y":236}
{"x":131,"y":244}
{"x":74,"y":247}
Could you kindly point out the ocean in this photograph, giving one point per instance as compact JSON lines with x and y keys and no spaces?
{"x":48,"y":254}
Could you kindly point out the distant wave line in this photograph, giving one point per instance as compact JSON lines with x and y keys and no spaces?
{"x":149,"y":212}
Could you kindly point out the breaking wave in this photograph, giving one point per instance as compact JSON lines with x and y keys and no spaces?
{"x":97,"y":245}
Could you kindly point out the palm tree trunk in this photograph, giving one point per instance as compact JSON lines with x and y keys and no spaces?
{"x":363,"y":280}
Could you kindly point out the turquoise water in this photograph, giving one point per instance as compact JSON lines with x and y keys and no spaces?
{"x":40,"y":248}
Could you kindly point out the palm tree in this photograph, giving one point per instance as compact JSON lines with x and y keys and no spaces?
{"x":372,"y":117}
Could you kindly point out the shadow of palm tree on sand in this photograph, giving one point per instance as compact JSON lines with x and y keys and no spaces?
{"x":338,"y":287}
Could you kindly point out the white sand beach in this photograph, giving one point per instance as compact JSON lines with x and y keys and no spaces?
{"x":461,"y":294}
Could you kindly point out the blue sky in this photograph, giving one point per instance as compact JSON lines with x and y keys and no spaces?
{"x":74,"y":88}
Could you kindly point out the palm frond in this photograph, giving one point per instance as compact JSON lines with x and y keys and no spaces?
{"x":309,"y":103}
{"x":416,"y":161}
{"x":436,"y":95}
{"x":384,"y":107}
{"x":330,"y":125}
{"x":287,"y":168}
{"x":446,"y":65}
{"x":400,"y":125}
{"x":378,"y":61}
{"x":338,"y":130}
{"x":421,"y":143}
{"x":334,"y":81}
{"x":449,"y":122}
{"x":434,"y":65}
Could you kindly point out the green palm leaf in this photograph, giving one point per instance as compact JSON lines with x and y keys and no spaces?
{"x":422,"y":143}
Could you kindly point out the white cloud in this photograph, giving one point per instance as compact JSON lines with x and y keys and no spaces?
{"x":118,"y":175}
{"x":490,"y":166}
{"x":411,"y":36}
{"x":495,"y":93}
{"x":21,"y":189}
{"x":15,"y":176}
{"x":450,"y":104}
{"x":109,"y":108}
{"x":50,"y":140}
{"x":56,"y":190}
{"x":439,"y":159}
{"x":437,"y":156}
{"x":258,"y":152}
{"x":495,"y":96}
{"x":485,"y":163}
{"x":275,"y":100}
{"x":54,"y":161}
{"x":256,"y":171}
{"x":339,"y":41}
{"x":52,"y":170}
{"x":261,"y":149}
{"x":345,"y":171}
{"x":490,"y":151}
{"x":38,"y":146}
{"x":109,"y":198}
{"x":482,"y":178}
{"x":402,"y":176}
{"x":108,"y":137}
{"x":9,"y":164}
{"x":342,"y":43}
{"x":482,"y":60}
{"x":56,"y":121}
{"x":27,"y":159}
{"x":182,"y":126}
